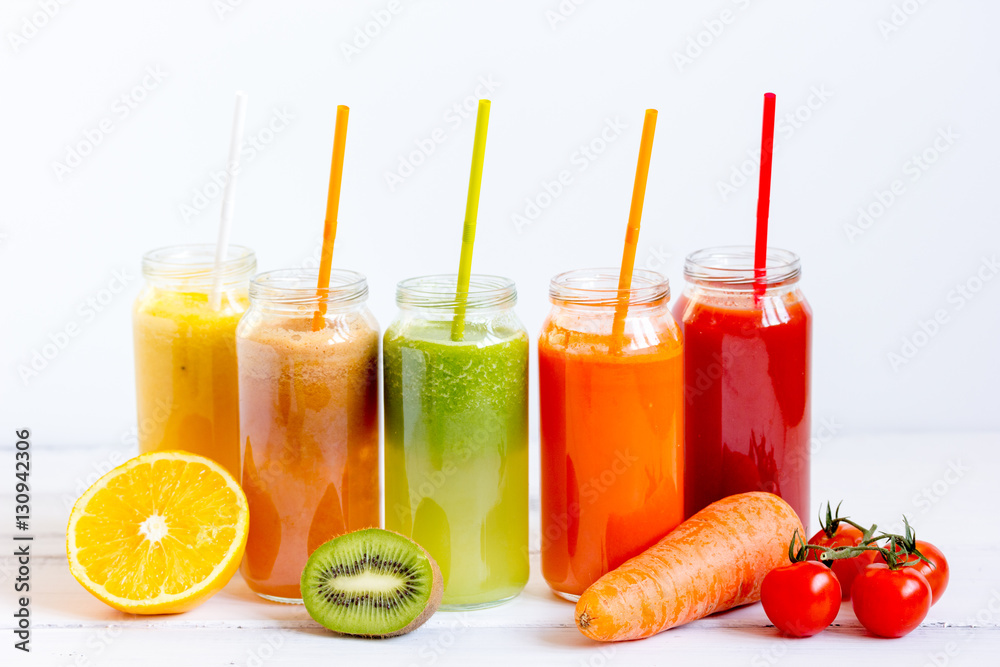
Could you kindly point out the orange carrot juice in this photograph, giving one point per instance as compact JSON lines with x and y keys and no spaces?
{"x":308,"y":423}
{"x":611,"y":426}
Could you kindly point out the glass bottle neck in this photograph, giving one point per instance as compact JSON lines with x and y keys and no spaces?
{"x":295,"y":292}
{"x":192,"y":268}
{"x":731,"y":270}
{"x":438,"y":296}
{"x":596,"y":291}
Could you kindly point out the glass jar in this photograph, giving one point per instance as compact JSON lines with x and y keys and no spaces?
{"x":611,"y":424}
{"x":308,"y":421}
{"x":185,"y":351}
{"x":747,"y":356}
{"x":456,"y":434}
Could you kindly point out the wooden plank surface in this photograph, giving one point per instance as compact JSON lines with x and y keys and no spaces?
{"x":944,"y":483}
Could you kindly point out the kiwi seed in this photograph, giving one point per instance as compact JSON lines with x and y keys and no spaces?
{"x":371,"y":583}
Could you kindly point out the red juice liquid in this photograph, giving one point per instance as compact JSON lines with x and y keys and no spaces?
{"x":747,"y":401}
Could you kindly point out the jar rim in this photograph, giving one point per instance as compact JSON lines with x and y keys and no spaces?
{"x":440,"y":292}
{"x":299,"y":287}
{"x":732,"y":267}
{"x":599,"y":287}
{"x":193,"y":264}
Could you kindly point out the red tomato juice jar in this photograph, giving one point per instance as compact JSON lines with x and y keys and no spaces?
{"x":747,"y":356}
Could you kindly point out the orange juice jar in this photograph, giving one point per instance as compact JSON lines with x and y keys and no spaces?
{"x":612,"y":431}
{"x":308,"y":421}
{"x":185,"y":351}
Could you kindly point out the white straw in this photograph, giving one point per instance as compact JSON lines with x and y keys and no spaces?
{"x":228,"y":198}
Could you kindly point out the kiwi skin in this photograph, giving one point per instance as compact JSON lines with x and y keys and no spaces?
{"x":437,"y":592}
{"x":433,"y":602}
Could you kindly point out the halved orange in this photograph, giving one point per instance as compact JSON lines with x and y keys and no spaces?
{"x":159,"y":534}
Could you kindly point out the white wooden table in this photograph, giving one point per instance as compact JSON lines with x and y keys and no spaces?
{"x":946,"y":484}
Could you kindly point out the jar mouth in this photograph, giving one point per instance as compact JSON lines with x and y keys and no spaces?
{"x":732,"y":267}
{"x":599,"y":287}
{"x":297,"y":287}
{"x":194,"y":265}
{"x":440,"y":292}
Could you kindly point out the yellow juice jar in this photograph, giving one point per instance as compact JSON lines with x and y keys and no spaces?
{"x":185,"y":351}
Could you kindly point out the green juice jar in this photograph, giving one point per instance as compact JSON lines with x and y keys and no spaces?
{"x":456,"y":434}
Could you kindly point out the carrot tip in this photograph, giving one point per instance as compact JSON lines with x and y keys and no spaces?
{"x":583,"y":620}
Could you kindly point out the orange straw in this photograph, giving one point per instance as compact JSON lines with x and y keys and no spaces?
{"x":332,"y":206}
{"x":632,"y":234}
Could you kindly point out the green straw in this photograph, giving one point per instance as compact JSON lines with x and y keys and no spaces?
{"x":471,"y":214}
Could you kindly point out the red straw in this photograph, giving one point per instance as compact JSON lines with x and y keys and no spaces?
{"x":764,"y":195}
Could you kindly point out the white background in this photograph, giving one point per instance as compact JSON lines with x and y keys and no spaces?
{"x":888,"y":90}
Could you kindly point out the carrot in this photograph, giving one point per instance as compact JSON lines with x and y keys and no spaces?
{"x":714,"y":561}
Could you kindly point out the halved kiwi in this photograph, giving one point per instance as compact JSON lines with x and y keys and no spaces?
{"x":371,"y":583}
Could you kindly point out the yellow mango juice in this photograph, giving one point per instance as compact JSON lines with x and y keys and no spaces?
{"x":185,"y":367}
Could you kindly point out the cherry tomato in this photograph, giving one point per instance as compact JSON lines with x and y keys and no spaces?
{"x":846,"y":569}
{"x":802,"y":598}
{"x":936,"y":572}
{"x":891,"y":603}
